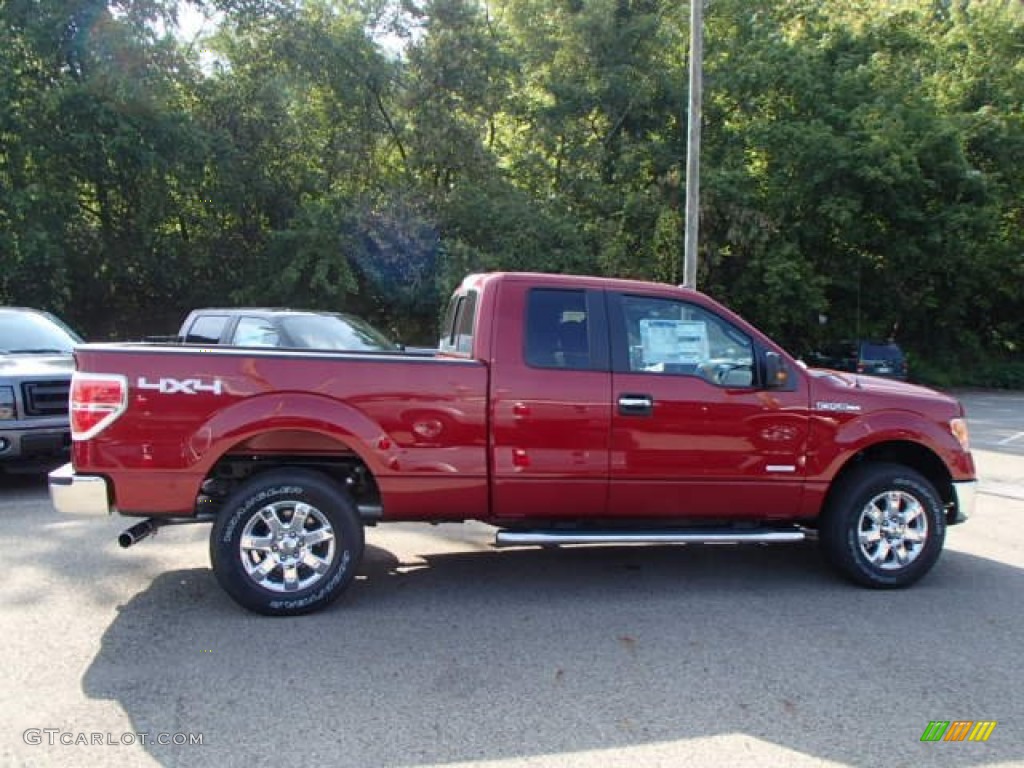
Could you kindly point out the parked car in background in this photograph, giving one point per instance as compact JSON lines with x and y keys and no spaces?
{"x":873,"y":358}
{"x":35,"y":377}
{"x":287,"y":328}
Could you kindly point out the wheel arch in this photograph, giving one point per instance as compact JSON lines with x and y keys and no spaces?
{"x":291,"y":430}
{"x":905,"y":453}
{"x":295,"y":449}
{"x":275,"y":413}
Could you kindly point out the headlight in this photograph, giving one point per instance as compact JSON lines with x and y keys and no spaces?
{"x":959,"y":429}
{"x":6,"y":403}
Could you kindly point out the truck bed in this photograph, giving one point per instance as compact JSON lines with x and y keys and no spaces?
{"x":418,"y":423}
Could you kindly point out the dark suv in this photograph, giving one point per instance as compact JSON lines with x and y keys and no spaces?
{"x":874,"y":358}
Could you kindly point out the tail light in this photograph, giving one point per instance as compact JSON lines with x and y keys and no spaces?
{"x":97,"y":399}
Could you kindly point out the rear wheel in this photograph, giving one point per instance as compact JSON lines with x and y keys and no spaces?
{"x":883,"y":527}
{"x":287,"y":542}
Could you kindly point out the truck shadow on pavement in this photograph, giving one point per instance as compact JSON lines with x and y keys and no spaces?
{"x":572,"y":656}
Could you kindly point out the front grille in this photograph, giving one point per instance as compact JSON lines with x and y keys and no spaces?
{"x":46,"y":398}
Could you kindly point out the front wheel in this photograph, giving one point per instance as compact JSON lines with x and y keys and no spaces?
{"x":287,"y":542}
{"x":883,"y":526}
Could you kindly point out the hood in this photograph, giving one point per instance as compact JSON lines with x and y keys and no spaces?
{"x":36,"y":365}
{"x":856,"y":386}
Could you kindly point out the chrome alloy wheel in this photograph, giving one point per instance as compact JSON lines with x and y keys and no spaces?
{"x":892,"y":530}
{"x":287,"y":546}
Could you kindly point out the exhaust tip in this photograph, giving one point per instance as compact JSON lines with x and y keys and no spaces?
{"x":136,"y":533}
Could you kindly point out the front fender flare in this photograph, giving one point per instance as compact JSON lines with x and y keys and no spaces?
{"x":838,"y":443}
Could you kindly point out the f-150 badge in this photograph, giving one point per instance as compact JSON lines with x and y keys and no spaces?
{"x":837,"y":407}
{"x":169,"y":386}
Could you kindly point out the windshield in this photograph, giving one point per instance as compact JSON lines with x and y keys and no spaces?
{"x":342,"y":332}
{"x":23,"y":332}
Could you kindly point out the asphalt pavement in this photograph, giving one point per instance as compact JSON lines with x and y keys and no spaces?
{"x":996,"y":420}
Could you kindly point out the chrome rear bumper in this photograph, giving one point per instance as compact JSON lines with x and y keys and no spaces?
{"x":75,"y":494}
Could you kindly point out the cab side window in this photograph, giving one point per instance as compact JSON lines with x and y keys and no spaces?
{"x":557,"y":331}
{"x":666,"y":336}
{"x":255,"y":332}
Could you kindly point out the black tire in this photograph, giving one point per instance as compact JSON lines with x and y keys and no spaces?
{"x":274,"y":564}
{"x":883,"y":527}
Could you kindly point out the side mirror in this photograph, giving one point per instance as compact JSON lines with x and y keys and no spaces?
{"x":776,"y":374}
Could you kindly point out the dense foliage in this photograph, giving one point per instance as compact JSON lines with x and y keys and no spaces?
{"x":861,"y":165}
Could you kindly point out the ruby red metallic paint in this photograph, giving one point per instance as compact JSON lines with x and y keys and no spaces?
{"x":482,"y":434}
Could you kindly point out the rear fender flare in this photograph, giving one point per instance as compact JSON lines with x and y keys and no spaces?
{"x":272,"y":412}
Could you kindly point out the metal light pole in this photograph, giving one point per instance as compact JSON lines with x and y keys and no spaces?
{"x":693,"y":142}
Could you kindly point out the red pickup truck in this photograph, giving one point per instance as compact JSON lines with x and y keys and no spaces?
{"x":560,"y":409}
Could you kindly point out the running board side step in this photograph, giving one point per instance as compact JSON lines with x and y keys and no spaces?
{"x":550,"y":538}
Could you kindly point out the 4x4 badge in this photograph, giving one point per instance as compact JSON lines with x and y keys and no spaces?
{"x":169,"y":386}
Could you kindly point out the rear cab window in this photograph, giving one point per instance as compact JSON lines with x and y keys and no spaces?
{"x":460,"y":324}
{"x":887,"y":352}
{"x":206,"y":329}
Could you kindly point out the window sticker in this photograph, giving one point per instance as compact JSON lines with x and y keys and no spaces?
{"x":683,"y":342}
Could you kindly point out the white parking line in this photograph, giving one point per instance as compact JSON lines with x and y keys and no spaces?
{"x":1011,"y":438}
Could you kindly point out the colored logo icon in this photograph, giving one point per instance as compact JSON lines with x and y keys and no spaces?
{"x":958,"y":730}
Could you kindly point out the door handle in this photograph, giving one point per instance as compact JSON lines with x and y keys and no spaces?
{"x":636,"y":405}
